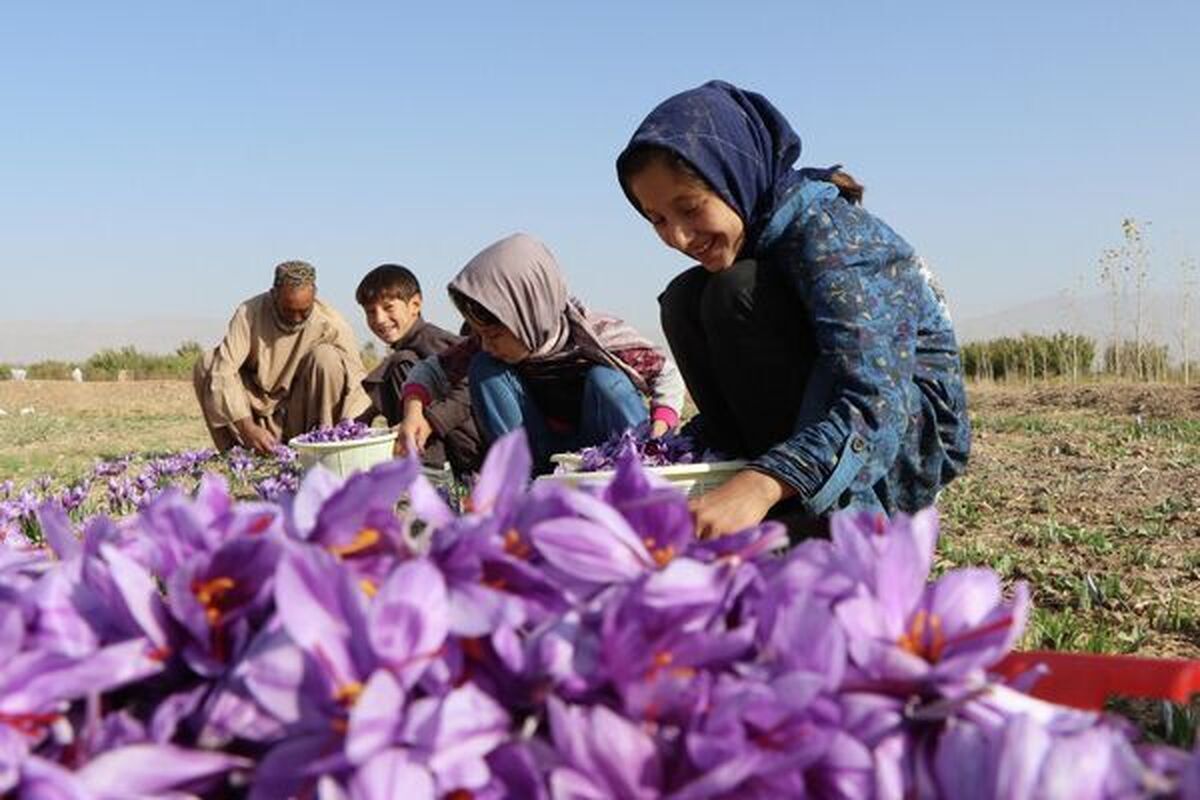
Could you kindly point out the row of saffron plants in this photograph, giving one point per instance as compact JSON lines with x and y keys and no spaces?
{"x":119,"y":486}
{"x":546,"y":643}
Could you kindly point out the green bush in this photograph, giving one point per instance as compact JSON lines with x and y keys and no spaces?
{"x":49,"y":371}
{"x":1028,"y":357}
{"x":108,"y":364}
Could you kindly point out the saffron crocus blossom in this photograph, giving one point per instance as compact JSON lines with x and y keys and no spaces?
{"x":504,"y":476}
{"x":219,"y":598}
{"x":758,"y":740}
{"x":356,"y":521}
{"x":650,"y":451}
{"x":655,"y":509}
{"x":1023,"y":759}
{"x":595,"y":545}
{"x":136,"y":771}
{"x":603,"y":755}
{"x":347,"y":430}
{"x":900,"y":629}
{"x":409,"y":619}
{"x":324,"y":611}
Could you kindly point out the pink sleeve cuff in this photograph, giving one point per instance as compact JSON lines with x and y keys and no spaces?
{"x":665,"y":414}
{"x":416,"y":390}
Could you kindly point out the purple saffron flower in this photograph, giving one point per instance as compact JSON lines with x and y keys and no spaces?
{"x":220,"y":598}
{"x":409,"y":619}
{"x":388,"y":772}
{"x":345,"y":431}
{"x":664,"y":451}
{"x":603,"y":754}
{"x":144,"y":770}
{"x":760,"y":739}
{"x":597,"y":545}
{"x":899,"y":629}
{"x":356,"y":521}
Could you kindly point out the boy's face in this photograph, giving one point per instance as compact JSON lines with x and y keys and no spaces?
{"x":391,"y":318}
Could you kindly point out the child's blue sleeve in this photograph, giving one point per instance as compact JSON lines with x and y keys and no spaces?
{"x":863,"y":291}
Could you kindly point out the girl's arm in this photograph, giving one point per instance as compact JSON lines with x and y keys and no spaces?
{"x":662,"y":378}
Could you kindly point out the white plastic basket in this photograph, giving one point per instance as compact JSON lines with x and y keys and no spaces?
{"x":691,"y":479}
{"x":346,"y":458}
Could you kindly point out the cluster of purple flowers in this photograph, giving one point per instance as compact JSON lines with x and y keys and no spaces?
{"x":547,"y":642}
{"x":345,"y":431}
{"x":129,"y":482}
{"x":664,"y":451}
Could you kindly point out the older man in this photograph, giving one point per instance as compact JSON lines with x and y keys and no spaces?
{"x":289,"y":363}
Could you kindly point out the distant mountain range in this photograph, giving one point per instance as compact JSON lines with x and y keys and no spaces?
{"x":1091,"y":315}
{"x":25,"y":341}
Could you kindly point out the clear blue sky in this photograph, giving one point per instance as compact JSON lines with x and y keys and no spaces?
{"x":159,"y":158}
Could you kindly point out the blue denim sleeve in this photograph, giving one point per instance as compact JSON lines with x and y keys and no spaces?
{"x":860,"y":286}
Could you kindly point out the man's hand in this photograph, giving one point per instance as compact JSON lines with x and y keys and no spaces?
{"x":414,"y":429}
{"x":255,"y":436}
{"x":658,"y":429}
{"x":737,"y":504}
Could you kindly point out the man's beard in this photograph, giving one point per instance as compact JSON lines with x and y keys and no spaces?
{"x":283,"y":325}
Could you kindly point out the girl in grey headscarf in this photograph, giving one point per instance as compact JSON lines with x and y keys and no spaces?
{"x":538,"y":359}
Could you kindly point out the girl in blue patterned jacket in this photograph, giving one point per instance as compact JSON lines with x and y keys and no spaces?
{"x":813,"y":340}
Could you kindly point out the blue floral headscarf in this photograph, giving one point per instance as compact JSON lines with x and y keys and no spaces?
{"x":736,"y":140}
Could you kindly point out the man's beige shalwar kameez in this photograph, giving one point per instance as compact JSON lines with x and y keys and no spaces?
{"x":289,"y":378}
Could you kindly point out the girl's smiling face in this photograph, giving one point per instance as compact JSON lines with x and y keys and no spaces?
{"x":688,"y":216}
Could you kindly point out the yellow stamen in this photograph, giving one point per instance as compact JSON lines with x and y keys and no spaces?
{"x":662,"y":555}
{"x":347,"y":694}
{"x":369,"y":587}
{"x":514,"y":545}
{"x":209,"y":593}
{"x":366,"y":539}
{"x":924,"y":637}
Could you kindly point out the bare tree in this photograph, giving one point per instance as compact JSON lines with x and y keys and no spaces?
{"x":1137,"y":264}
{"x":1110,"y":276}
{"x":1187,"y":269}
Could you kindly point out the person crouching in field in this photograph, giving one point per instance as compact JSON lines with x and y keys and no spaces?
{"x":390,"y":296}
{"x":288,"y":363}
{"x":811,"y":337}
{"x":538,"y":359}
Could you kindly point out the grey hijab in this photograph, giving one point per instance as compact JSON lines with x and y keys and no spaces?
{"x":518,"y":280}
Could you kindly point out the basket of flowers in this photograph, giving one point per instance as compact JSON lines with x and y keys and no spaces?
{"x":674,"y":458}
{"x":345,"y":448}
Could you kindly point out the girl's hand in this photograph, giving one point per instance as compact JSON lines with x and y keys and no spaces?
{"x":737,"y":504}
{"x":658,"y":429}
{"x":414,"y":429}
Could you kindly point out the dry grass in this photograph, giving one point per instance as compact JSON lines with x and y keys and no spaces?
{"x":72,"y":424}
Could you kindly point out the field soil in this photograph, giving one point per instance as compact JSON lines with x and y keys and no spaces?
{"x":1090,"y":492}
